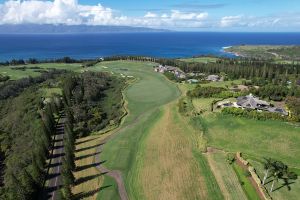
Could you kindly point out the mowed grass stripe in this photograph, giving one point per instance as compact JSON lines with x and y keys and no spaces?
{"x":225,"y":176}
{"x":170,"y":168}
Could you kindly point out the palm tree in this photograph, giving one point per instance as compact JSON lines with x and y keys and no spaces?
{"x":268,"y":165}
{"x":279,"y":169}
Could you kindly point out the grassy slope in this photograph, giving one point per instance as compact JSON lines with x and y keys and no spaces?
{"x":144,"y":98}
{"x":170,"y":166}
{"x":279,"y":53}
{"x":226,"y":176}
{"x":274,"y":139}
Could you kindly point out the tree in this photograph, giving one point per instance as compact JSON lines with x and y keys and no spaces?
{"x":68,"y":177}
{"x":268,"y":166}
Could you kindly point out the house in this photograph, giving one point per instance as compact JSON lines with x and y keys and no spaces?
{"x":213,"y":78}
{"x":174,"y":70}
{"x":191,"y":81}
{"x":252,"y":102}
{"x":278,"y":110}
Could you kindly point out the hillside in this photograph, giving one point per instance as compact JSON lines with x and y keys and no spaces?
{"x":267,"y":51}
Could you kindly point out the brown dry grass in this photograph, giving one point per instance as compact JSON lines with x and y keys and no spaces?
{"x":169,"y":169}
{"x":88,"y":178}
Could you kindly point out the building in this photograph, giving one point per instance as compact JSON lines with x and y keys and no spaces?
{"x":213,"y":78}
{"x":191,"y":81}
{"x":252,"y":102}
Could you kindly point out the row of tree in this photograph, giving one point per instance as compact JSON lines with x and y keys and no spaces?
{"x":68,"y":161}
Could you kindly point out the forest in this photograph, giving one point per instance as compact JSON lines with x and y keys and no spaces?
{"x":91,"y":101}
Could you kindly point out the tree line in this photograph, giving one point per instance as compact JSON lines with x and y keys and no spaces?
{"x":27,"y":127}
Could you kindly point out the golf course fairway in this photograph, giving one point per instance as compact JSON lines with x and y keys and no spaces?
{"x":145,"y":98}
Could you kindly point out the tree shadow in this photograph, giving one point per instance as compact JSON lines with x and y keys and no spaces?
{"x":283,"y":185}
{"x":51,"y":165}
{"x":58,"y":147}
{"x":86,"y":156}
{"x":269,"y":181}
{"x":87,"y":148}
{"x":88,"y":140}
{"x":88,"y":178}
{"x":56,"y":155}
{"x":84,"y":167}
{"x":90,"y":193}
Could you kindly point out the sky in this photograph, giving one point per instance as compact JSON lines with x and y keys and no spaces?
{"x":179,"y":15}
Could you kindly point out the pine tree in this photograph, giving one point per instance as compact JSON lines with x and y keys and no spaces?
{"x":68,"y":177}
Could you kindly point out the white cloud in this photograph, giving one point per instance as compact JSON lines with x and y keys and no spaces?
{"x":70,"y":12}
{"x":150,"y":15}
{"x":229,"y":21}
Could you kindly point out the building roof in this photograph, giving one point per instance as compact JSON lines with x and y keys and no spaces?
{"x":251,"y":102}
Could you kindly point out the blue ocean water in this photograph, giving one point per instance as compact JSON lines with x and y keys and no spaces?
{"x":169,"y":44}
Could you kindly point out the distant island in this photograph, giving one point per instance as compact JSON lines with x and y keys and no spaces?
{"x":277,"y":52}
{"x":70,"y":29}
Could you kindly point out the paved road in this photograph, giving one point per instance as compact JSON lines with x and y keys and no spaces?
{"x":54,"y":182}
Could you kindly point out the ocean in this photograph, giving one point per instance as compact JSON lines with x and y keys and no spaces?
{"x":168,"y":44}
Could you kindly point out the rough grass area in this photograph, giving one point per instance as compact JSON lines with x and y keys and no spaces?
{"x":274,"y":139}
{"x":35,"y":69}
{"x":225,"y":176}
{"x":169,"y":167}
{"x":144,"y":97}
{"x":245,"y":182}
{"x":88,"y":177}
{"x":200,"y":59}
{"x":281,"y":191}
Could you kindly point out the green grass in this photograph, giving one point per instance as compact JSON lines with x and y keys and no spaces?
{"x":226,"y":176}
{"x":280,"y":192}
{"x":144,"y":98}
{"x":109,"y":189}
{"x":245,"y":182}
{"x":17,"y":74}
{"x":211,"y":183}
{"x":275,"y":139}
{"x":223,"y":83}
{"x":200,"y":59}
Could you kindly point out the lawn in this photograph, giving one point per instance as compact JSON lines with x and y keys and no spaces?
{"x":200,"y":59}
{"x":29,"y":71}
{"x":144,"y":98}
{"x":225,"y":176}
{"x":224,"y":84}
{"x":274,"y":139}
